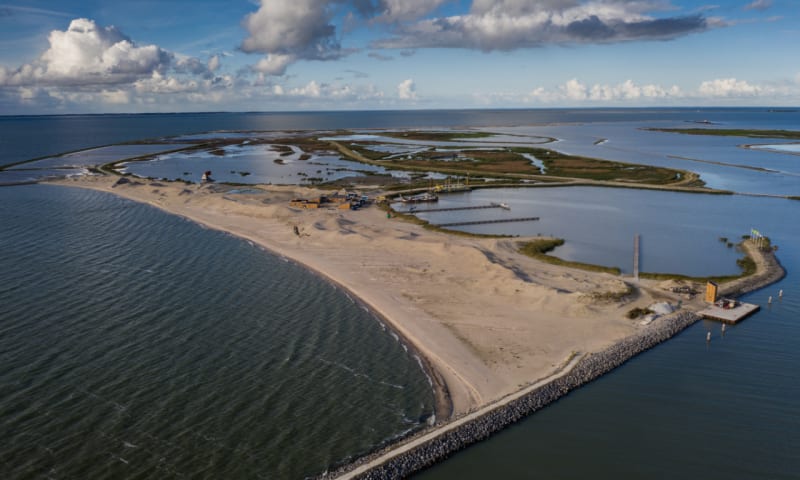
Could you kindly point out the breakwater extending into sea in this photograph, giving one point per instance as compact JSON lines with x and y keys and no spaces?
{"x":770,"y":272}
{"x":452,"y":440}
{"x":458,"y":435}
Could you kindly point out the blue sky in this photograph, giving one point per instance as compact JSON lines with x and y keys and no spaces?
{"x":94,"y":56}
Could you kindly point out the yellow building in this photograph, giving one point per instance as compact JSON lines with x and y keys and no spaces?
{"x":711,"y":292}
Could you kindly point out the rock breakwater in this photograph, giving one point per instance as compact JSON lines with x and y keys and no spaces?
{"x":769,"y":270}
{"x":587,"y":369}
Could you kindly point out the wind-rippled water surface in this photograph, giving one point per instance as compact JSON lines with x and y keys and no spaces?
{"x":138,"y":345}
{"x":135,"y":344}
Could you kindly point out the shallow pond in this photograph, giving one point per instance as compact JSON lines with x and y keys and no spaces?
{"x":253,"y":164}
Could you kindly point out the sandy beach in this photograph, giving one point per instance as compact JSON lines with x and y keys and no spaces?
{"x":494,"y":329}
{"x":489,"y":320}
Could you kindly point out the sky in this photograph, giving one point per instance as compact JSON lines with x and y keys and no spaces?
{"x":92,"y":56}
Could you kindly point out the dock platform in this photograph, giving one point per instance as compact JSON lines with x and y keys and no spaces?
{"x":453,"y":209}
{"x":481,"y":222}
{"x":729,"y":315}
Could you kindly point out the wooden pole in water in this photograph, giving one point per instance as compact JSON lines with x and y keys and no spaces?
{"x":636,"y":257}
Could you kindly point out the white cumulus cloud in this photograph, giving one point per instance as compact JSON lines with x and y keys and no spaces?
{"x":289,"y":30}
{"x":407,"y":90}
{"x":88,"y":54}
{"x":573,"y":91}
{"x":311,"y":89}
{"x":158,"y":83}
{"x":117,"y":97}
{"x":89,"y":65}
{"x":759,"y":5}
{"x":214,"y":63}
{"x":274,"y":64}
{"x":402,"y":10}
{"x":317,"y":94}
{"x":512,"y":24}
{"x":728,"y":87}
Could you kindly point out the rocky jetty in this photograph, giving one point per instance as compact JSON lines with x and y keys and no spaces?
{"x":587,"y":369}
{"x":769,"y":270}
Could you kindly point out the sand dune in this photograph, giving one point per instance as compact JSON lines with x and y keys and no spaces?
{"x":487,"y":319}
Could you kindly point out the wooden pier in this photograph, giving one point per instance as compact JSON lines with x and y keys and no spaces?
{"x":481,"y":222}
{"x":453,"y":209}
{"x":729,"y":315}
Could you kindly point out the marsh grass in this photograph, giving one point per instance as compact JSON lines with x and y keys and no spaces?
{"x":539,"y":247}
{"x":731,"y":132}
{"x":425,"y":136}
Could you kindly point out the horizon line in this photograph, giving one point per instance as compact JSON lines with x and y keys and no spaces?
{"x":775,"y":109}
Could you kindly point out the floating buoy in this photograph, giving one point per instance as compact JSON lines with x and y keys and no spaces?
{"x":769,"y":300}
{"x":708,"y":337}
{"x":780,"y":294}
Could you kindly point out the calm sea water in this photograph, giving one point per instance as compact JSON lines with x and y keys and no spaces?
{"x":136,"y":344}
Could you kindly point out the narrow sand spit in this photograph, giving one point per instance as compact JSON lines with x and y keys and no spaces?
{"x":487,"y":319}
{"x":490,"y":325}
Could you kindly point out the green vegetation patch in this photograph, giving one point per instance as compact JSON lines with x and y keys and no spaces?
{"x":612,"y":296}
{"x":363,"y":149}
{"x":474,"y":161}
{"x":574,"y":166}
{"x":283,"y":150}
{"x":308,"y":144}
{"x":746,"y":264}
{"x":637,"y":312}
{"x":539,"y":247}
{"x":424,"y":136}
{"x":512,"y":163}
{"x":731,"y":132}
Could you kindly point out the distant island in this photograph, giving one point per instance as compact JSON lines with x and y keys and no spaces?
{"x":731,"y":132}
